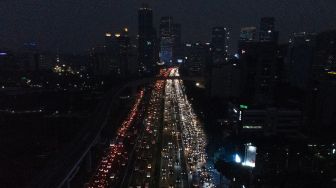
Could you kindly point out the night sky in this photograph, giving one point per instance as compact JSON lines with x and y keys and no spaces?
{"x":76,"y":25}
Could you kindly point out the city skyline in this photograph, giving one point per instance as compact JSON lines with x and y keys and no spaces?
{"x":220,"y":94}
{"x":76,"y":27}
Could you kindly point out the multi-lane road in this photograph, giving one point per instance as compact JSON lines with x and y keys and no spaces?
{"x":160,"y":144}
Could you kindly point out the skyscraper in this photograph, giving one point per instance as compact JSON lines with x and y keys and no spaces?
{"x":300,"y":59}
{"x":146,"y":34}
{"x":219,"y":45}
{"x":177,"y":43}
{"x":267,"y":30}
{"x":258,"y":61}
{"x":166,"y":40}
{"x":248,"y":34}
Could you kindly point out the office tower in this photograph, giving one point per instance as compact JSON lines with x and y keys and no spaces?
{"x":219,"y":45}
{"x":197,"y":57}
{"x":28,"y":58}
{"x":267,"y":30}
{"x":123,"y":51}
{"x":325,"y":58}
{"x":259,"y":71}
{"x":225,"y":80}
{"x":113,"y":58}
{"x":248,"y":34}
{"x":321,"y":101}
{"x":166,"y":40}
{"x":177,"y":43}
{"x":146,"y":39}
{"x":300,"y":59}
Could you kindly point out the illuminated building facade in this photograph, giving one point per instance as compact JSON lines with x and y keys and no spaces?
{"x":166,"y":40}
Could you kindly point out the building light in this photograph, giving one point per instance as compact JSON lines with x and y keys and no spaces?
{"x":237,"y":158}
{"x":126,"y":29}
{"x":243,"y":106}
{"x":252,"y":127}
{"x":108,"y":34}
{"x":332,"y":73}
{"x":117,"y":35}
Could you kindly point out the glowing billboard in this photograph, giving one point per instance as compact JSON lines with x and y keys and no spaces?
{"x":250,"y":155}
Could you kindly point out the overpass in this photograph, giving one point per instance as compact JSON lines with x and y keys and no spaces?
{"x":63,"y":168}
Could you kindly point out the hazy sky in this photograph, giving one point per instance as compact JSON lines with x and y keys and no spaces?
{"x":76,"y":25}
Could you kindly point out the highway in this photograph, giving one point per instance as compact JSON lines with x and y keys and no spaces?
{"x":160,"y":144}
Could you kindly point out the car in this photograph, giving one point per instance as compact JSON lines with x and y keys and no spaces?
{"x":112,"y":176}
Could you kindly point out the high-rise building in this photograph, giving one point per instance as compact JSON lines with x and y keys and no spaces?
{"x":321,"y":101}
{"x":177,"y":43}
{"x":248,"y":34}
{"x":259,"y":71}
{"x":267,"y":30}
{"x":225,"y":80}
{"x":219,"y":45}
{"x":196,"y":57}
{"x":123,"y":51}
{"x":166,"y":40}
{"x":300,"y":59}
{"x":114,"y":57}
{"x":28,"y":59}
{"x":325,"y":55}
{"x":146,"y":39}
